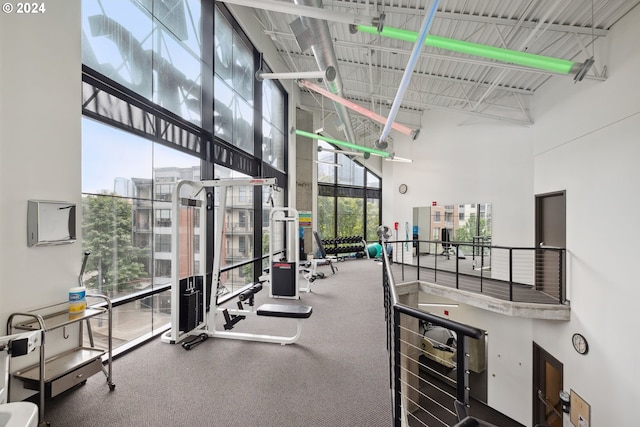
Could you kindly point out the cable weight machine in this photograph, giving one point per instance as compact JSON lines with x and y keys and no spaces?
{"x":191,"y":319}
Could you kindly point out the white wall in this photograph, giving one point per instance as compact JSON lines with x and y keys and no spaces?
{"x":40,"y":157}
{"x":584,"y":141}
{"x":460,"y":161}
{"x":588,"y":145}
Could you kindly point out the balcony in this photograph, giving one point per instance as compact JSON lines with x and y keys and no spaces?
{"x":514,"y":281}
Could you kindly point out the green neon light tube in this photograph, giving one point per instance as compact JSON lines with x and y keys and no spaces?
{"x":547,"y":63}
{"x":343,"y":143}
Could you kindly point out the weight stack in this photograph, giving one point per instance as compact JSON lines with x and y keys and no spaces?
{"x":191,"y":313}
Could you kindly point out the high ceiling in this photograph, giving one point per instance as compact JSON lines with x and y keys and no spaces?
{"x":370,"y":67}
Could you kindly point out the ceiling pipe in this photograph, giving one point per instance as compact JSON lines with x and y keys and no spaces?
{"x":280,"y":6}
{"x":413,"y":133}
{"x":406,"y":78}
{"x":346,"y":144}
{"x":322,"y":47}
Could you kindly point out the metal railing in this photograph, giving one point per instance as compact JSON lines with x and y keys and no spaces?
{"x":412,"y":403}
{"x":519,"y":274}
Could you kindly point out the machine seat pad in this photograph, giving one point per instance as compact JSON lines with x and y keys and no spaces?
{"x":285,"y":310}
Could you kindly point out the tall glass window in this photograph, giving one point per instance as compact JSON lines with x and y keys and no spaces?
{"x":271,"y":199}
{"x":238,"y":229}
{"x":326,"y":164}
{"x":326,"y":217}
{"x":373,"y":219}
{"x":152,"y":47}
{"x":350,"y":172}
{"x":126,"y":221}
{"x":233,"y":86}
{"x":348,"y":197}
{"x":272,"y":125}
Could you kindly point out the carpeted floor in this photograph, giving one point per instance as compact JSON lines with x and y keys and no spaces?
{"x":335,"y":375}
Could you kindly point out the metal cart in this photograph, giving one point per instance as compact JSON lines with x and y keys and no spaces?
{"x":57,"y":373}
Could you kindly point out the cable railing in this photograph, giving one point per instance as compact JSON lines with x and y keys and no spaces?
{"x":418,"y":399}
{"x":517,"y":274}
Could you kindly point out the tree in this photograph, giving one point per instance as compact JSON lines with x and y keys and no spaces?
{"x":350,"y":217}
{"x":469,"y":230}
{"x":326,"y":217}
{"x":107,"y":235}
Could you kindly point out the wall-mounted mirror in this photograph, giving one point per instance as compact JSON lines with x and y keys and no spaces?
{"x":462,"y":222}
{"x":50,"y":223}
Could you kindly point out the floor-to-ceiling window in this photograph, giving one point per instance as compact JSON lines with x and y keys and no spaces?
{"x":127,"y":183}
{"x":155,"y":113}
{"x":348,"y":197}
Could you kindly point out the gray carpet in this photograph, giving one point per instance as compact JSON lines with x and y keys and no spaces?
{"x":335,"y":375}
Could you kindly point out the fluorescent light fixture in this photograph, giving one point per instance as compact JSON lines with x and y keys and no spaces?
{"x":425,"y":304}
{"x":329,"y":74}
{"x":541,"y":62}
{"x":335,"y":165}
{"x":398,"y":159}
{"x":347,"y":153}
{"x":343,"y":143}
{"x":413,"y":133}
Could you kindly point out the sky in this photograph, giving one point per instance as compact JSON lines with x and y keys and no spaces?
{"x":109,"y":153}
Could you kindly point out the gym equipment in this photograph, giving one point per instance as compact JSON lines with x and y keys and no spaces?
{"x":283,"y":273}
{"x":345,"y":245}
{"x":246,"y":295}
{"x":190,"y":296}
{"x":447,"y":248}
{"x":310,"y":269}
{"x":374,"y":251}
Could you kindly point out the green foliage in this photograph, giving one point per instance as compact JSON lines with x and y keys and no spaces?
{"x":350,"y":217}
{"x":469,"y":230}
{"x":107,"y":234}
{"x":373,"y":221}
{"x":326,"y":216}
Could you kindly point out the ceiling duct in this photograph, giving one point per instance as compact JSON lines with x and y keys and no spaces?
{"x":314,"y":34}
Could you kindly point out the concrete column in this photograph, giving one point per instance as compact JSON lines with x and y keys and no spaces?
{"x":306,"y":188}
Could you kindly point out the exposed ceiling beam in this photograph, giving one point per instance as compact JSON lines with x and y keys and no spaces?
{"x":426,"y":106}
{"x":424,"y":94}
{"x":476,"y":18}
{"x":409,"y":118}
{"x":420,"y":75}
{"x":308,"y":11}
{"x":465,"y":60}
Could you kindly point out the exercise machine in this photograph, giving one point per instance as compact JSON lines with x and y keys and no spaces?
{"x":283,"y":272}
{"x":310,"y":269}
{"x":193,"y":318}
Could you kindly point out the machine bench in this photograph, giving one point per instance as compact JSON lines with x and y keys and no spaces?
{"x":285,"y":310}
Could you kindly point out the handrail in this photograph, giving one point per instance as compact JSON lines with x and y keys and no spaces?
{"x":521,"y":266}
{"x":393,"y":310}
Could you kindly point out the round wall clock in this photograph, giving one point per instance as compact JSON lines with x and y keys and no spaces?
{"x":403,"y":188}
{"x":580,"y":343}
